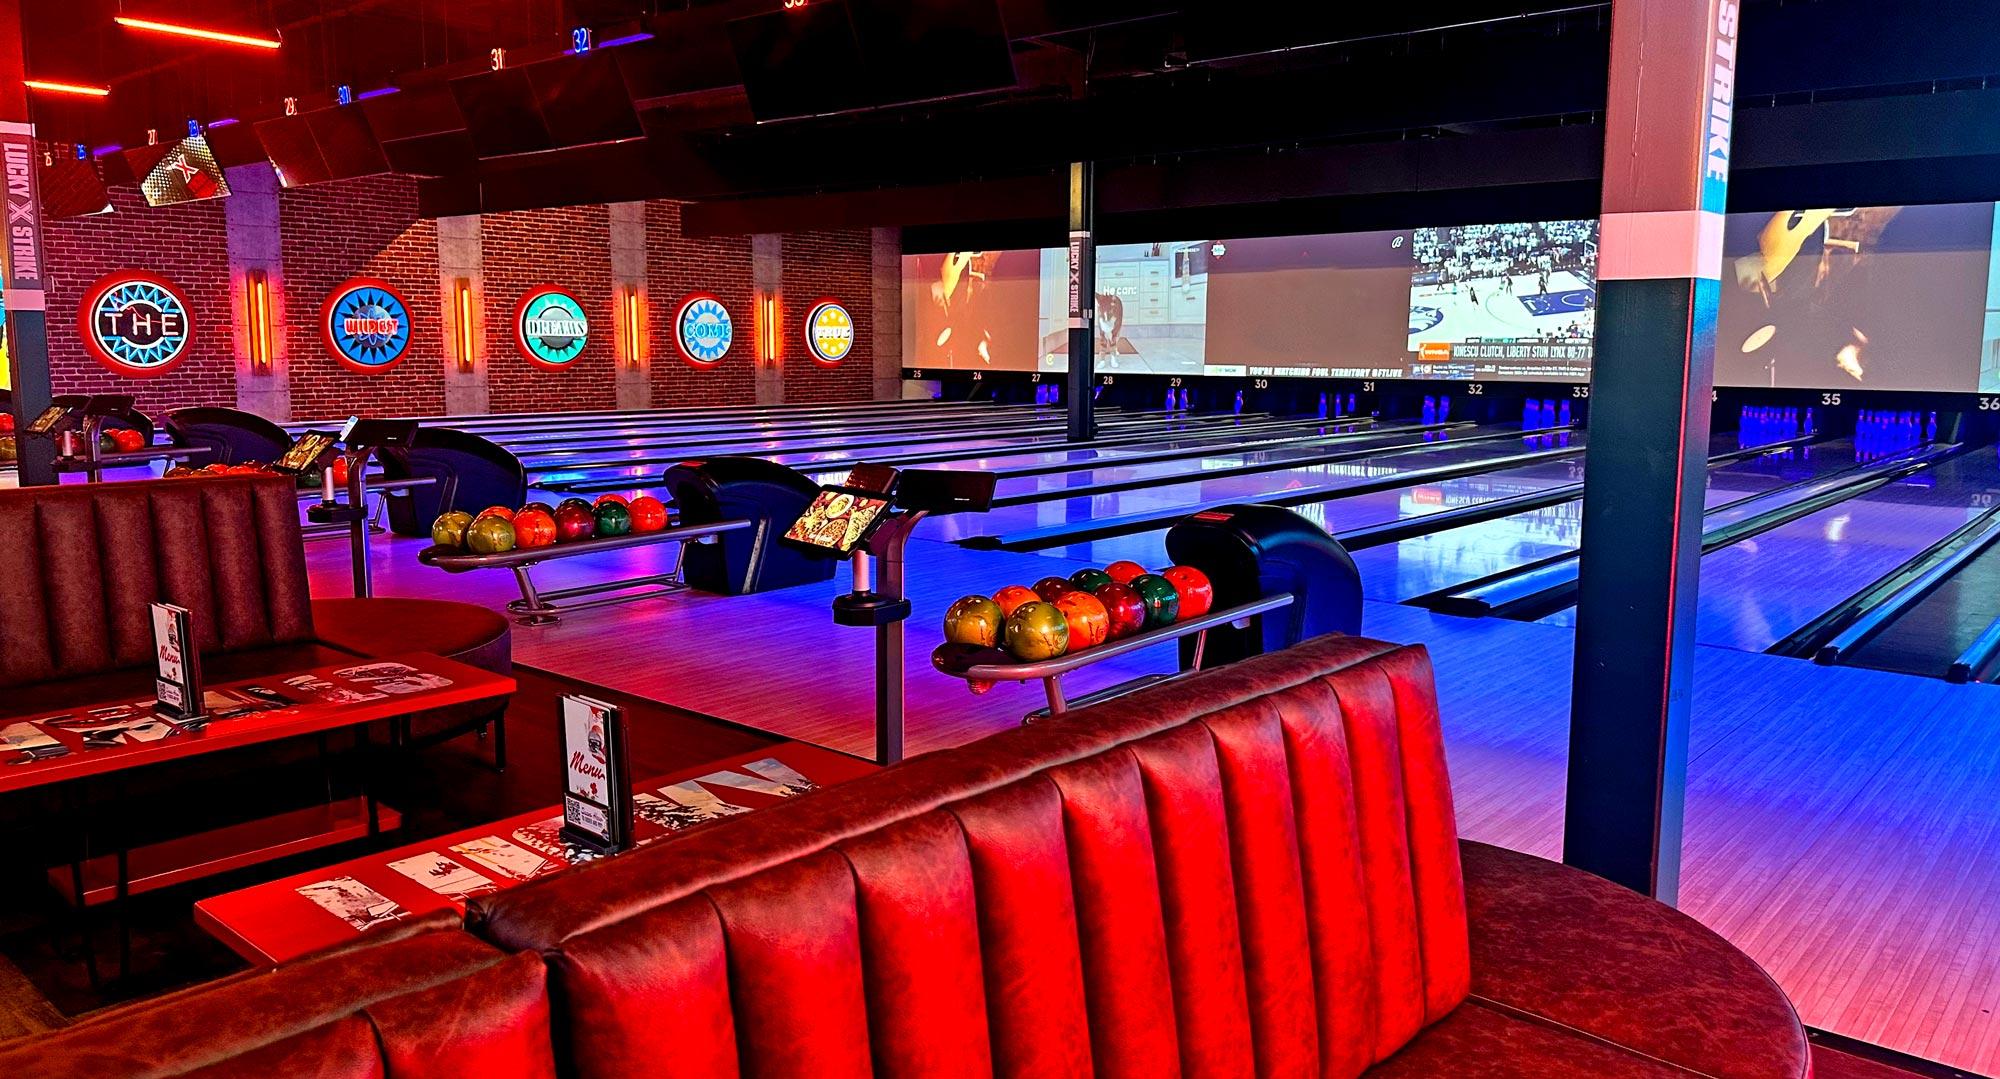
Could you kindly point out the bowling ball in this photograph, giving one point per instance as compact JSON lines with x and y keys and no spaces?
{"x":1089,"y":622}
{"x":449,"y":528}
{"x":1123,"y":572}
{"x":177,"y":472}
{"x":1036,"y":631}
{"x":543,"y":507}
{"x":1163,"y":603}
{"x":9,"y":449}
{"x":216,"y":469}
{"x":533,"y":528}
{"x":974,"y":620}
{"x":1197,"y":594}
{"x":579,"y":503}
{"x":1125,"y":609}
{"x":490,"y":535}
{"x":341,"y":467}
{"x":1090,"y":580}
{"x":126,"y":440}
{"x":1053,"y":588}
{"x":501,"y":512}
{"x":1012,"y":596}
{"x":620,"y":499}
{"x":649,"y":514}
{"x":574,"y":523}
{"x":613,"y":519}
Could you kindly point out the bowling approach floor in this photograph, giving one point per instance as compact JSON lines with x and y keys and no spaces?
{"x":1842,"y":824}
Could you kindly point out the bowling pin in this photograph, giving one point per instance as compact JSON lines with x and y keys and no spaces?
{"x":1239,"y":402}
{"x":1531,"y":415}
{"x":1322,"y":406}
{"x":1930,"y":429}
{"x":1562,"y":416}
{"x":1170,"y":400}
{"x":1350,"y":404}
{"x":1430,"y":409}
{"x":1184,"y":400}
{"x":1548,"y":412}
{"x":1811,"y":424}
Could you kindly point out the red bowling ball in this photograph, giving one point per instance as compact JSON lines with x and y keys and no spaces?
{"x":1123,"y":609}
{"x":1123,"y":572}
{"x":1197,"y":593}
{"x":1052,"y":589}
{"x":649,"y":514}
{"x":574,"y":523}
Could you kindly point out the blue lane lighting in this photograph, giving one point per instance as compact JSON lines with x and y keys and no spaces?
{"x":108,"y":148}
{"x":224,"y":122}
{"x":379,"y":91}
{"x":628,"y":39}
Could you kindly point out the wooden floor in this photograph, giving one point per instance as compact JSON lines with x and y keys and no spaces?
{"x":1843,"y":826}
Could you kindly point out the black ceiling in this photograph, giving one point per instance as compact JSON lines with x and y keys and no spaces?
{"x":1187,"y":102}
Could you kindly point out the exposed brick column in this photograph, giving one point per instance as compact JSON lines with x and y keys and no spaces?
{"x":886,"y":272}
{"x":767,"y":278}
{"x":634,"y":378}
{"x":461,"y":254}
{"x":251,"y":224}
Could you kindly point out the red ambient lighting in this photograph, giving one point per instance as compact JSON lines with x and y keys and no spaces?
{"x":48,"y":87}
{"x":204,"y":34}
{"x":257,"y":319}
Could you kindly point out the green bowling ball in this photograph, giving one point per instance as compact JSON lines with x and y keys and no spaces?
{"x":1090,"y":580}
{"x":613,"y":519}
{"x":1162,"y":599}
{"x":1037,"y":631}
{"x":490,"y":535}
{"x":580,"y":503}
{"x":974,"y":620}
{"x":449,"y":528}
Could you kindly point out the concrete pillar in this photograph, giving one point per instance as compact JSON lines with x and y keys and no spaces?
{"x":634,"y":385}
{"x":462,"y":257}
{"x":886,"y":251}
{"x":250,"y":221}
{"x":767,"y":278}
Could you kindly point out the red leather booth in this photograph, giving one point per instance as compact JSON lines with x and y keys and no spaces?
{"x":1250,"y":872}
{"x":81,"y":565}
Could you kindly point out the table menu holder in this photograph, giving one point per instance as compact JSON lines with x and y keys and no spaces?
{"x":177,"y":662}
{"x":597,"y":797}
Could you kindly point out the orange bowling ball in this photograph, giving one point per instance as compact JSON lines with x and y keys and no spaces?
{"x":649,"y":514}
{"x":1012,"y":597}
{"x":1123,"y":572}
{"x":501,"y":512}
{"x":1197,"y":593}
{"x":1089,"y":622}
{"x":533,"y":528}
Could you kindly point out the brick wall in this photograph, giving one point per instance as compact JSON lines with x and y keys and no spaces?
{"x":185,"y":244}
{"x":361,"y":228}
{"x":675,"y":267}
{"x":331,"y":232}
{"x":835,"y":266}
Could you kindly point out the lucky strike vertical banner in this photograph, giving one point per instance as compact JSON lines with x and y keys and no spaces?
{"x":23,"y":249}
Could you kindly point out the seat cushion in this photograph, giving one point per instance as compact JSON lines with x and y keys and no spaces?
{"x":1479,"y":1041}
{"x":386,"y":626}
{"x":1563,"y":948}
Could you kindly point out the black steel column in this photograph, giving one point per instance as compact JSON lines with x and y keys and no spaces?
{"x":26,"y":326}
{"x":1666,"y":169}
{"x":1082,"y":302}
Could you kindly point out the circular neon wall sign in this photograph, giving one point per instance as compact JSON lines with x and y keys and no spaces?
{"x":550,"y":327}
{"x":136,"y":323}
{"x":703,"y":329}
{"x":829,"y":333}
{"x":366,"y":325}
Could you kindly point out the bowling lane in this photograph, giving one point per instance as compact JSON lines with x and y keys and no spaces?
{"x":1014,"y":453}
{"x":1372,"y":508}
{"x":1057,"y":513}
{"x":1422,"y":564}
{"x":1756,"y":592}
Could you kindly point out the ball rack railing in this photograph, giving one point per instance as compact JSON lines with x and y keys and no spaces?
{"x":949,"y":660}
{"x":539,"y":608}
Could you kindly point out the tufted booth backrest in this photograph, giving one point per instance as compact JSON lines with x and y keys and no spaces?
{"x":1249,"y":872}
{"x":81,"y":564}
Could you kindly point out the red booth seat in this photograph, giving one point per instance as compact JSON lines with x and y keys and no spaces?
{"x":422,"y":1000}
{"x":1253,"y":872}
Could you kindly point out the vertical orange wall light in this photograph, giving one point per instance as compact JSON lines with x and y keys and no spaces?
{"x":769,"y":339}
{"x":461,"y":323}
{"x":632,"y":324}
{"x":257,"y":319}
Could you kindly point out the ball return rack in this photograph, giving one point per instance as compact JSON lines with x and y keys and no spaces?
{"x":539,"y":608}
{"x":988,"y":665}
{"x":75,"y":423}
{"x":316,"y":449}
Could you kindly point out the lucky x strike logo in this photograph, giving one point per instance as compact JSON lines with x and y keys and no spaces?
{"x":550,"y":327}
{"x":135,"y":323}
{"x":366,"y":324}
{"x":829,"y":332}
{"x":704,"y":329}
